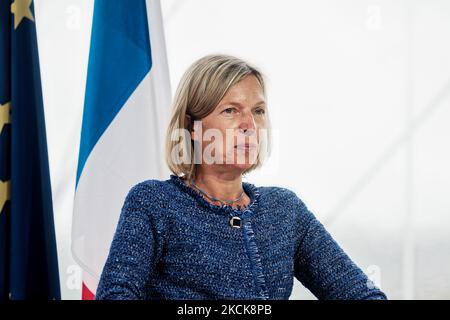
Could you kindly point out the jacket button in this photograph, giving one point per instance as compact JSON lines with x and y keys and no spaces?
{"x":236,"y":222}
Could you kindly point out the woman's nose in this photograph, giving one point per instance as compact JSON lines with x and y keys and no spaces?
{"x":248,"y":124}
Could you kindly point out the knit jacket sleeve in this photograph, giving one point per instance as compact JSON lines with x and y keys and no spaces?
{"x":324,"y":268}
{"x":134,"y":249}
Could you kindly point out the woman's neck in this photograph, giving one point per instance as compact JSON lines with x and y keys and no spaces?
{"x":223,"y":186}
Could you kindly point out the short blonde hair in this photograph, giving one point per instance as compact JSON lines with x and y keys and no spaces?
{"x":200,"y":90}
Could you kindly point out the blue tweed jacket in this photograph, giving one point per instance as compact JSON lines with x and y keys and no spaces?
{"x":171,"y":243}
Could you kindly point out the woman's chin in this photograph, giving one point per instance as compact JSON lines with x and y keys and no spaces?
{"x":240,"y":167}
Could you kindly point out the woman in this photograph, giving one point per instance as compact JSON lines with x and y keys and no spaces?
{"x":204,"y":233}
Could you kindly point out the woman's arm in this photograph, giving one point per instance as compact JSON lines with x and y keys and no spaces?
{"x":324,"y":268}
{"x":133,"y":251}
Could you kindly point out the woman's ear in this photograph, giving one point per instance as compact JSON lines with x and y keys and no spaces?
{"x":188,"y":122}
{"x":189,"y":125}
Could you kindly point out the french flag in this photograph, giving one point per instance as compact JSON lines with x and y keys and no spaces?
{"x":125,"y":115}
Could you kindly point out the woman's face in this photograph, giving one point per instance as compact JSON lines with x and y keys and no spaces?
{"x":231,"y":133}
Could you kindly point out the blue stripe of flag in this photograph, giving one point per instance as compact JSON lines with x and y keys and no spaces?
{"x":119,"y":58}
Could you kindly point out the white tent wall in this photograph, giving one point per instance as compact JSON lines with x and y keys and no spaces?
{"x":358,"y":94}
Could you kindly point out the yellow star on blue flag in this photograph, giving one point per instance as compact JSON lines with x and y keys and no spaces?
{"x":4,"y":194}
{"x":21,"y":9}
{"x":4,"y":115}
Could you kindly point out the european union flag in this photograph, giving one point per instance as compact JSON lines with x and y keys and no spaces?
{"x":28,"y":257}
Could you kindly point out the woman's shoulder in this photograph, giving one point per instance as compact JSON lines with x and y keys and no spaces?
{"x":277,"y":192}
{"x":289,"y":199}
{"x":146,"y":187}
{"x":149,"y":191}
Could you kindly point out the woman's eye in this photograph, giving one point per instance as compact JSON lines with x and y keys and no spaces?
{"x":260,"y":111}
{"x":228,"y":110}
